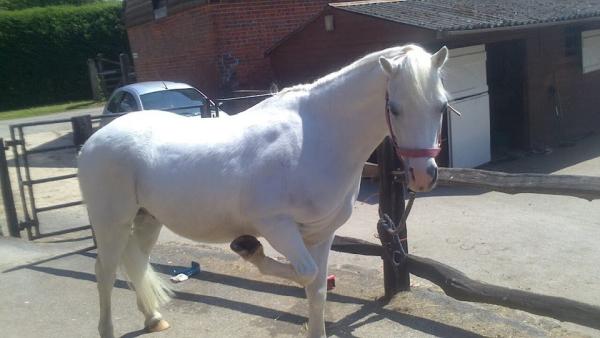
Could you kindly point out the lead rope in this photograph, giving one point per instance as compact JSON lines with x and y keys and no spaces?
{"x":394,"y":247}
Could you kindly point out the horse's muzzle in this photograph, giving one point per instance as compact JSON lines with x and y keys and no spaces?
{"x":421,"y":174}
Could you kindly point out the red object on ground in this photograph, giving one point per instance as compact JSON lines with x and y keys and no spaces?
{"x":330,"y":282}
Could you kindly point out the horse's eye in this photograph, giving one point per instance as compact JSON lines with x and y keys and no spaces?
{"x":393,"y":109}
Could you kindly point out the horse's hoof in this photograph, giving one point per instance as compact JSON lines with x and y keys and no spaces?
{"x":245,"y":246}
{"x":161,"y":325}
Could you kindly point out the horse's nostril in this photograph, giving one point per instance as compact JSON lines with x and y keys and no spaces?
{"x":432,"y":172}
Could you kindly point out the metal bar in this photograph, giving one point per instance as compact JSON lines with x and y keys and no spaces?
{"x":50,"y":179}
{"x":28,"y":178}
{"x":7,"y":195}
{"x":59,"y":206}
{"x":40,"y":123}
{"x":106,"y":116}
{"x":49,"y":149}
{"x":20,"y":179}
{"x":243,"y":97}
{"x":62,"y":232}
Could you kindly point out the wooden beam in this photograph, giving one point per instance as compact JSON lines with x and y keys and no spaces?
{"x":370,"y":170}
{"x":586,"y":187}
{"x":459,"y":286}
{"x":391,"y":202}
{"x":356,"y":246}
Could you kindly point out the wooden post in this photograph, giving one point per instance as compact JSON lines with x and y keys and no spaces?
{"x":94,"y":81}
{"x":101,"y":78}
{"x":7,"y":195}
{"x":391,"y":202}
{"x":82,"y":129}
{"x":125,"y":69}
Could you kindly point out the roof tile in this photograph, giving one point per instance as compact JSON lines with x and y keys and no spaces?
{"x":459,"y":15}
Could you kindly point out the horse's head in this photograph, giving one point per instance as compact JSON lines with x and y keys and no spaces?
{"x":416,"y":101}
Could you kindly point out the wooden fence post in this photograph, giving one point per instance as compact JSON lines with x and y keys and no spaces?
{"x":82,"y":129}
{"x":7,"y":195}
{"x":391,"y":202}
{"x":94,"y":80}
{"x":125,"y":68}
{"x":101,"y":78}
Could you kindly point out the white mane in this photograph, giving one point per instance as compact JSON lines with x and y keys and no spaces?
{"x":412,"y":59}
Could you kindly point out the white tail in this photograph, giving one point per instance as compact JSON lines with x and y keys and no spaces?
{"x":151,"y":290}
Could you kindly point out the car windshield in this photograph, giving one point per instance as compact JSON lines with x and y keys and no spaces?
{"x":173,"y":99}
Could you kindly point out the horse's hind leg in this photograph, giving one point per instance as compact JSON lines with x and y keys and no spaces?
{"x":145,"y":233}
{"x":111,"y":240}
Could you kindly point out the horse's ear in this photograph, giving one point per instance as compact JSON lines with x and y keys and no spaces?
{"x":438,"y":59}
{"x":386,"y":65}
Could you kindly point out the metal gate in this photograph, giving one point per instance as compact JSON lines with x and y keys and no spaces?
{"x":81,"y":127}
{"x":32,"y":204}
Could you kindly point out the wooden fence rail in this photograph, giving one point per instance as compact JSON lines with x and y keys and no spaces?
{"x":453,"y":282}
{"x":458,"y":286}
{"x":586,"y":187}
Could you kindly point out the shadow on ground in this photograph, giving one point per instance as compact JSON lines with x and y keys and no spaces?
{"x":65,"y":158}
{"x":369,"y":311}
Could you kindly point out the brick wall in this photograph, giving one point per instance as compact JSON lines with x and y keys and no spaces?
{"x":176,"y":48}
{"x":220,"y":46}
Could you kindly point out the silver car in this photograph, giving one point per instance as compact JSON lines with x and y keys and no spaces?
{"x":179,"y":98}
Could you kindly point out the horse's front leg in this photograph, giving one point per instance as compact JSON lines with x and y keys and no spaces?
{"x":284,"y":236}
{"x":316,"y":291}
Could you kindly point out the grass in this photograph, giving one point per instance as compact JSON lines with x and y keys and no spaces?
{"x":50,"y":109}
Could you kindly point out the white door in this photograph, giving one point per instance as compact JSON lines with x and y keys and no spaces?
{"x":590,"y":50}
{"x":466,"y":81}
{"x":470,"y":133}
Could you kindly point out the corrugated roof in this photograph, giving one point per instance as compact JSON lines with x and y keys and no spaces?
{"x":460,"y":15}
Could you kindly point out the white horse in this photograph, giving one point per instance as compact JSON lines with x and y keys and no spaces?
{"x":287,"y":169}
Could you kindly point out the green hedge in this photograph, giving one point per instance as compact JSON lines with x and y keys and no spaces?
{"x":22,"y":4}
{"x":44,"y":51}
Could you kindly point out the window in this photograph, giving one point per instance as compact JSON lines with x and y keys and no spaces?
{"x":114,"y":103}
{"x":173,"y":99}
{"x":127,"y":104}
{"x":160,"y":8}
{"x":590,"y":50}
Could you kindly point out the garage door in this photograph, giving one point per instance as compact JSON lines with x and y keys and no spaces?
{"x":466,"y":81}
{"x":590,"y":50}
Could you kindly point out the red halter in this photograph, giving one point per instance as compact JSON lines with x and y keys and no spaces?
{"x":407,"y":152}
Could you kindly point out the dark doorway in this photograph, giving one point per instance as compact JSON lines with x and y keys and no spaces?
{"x":506,"y":82}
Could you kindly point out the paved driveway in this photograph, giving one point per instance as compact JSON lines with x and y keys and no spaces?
{"x":546,"y":244}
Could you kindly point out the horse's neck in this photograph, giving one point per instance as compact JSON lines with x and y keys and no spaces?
{"x":352,"y":111}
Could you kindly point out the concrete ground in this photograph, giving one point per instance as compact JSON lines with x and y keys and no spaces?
{"x":4,"y":124}
{"x":546,"y":244}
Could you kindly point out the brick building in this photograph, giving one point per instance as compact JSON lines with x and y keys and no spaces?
{"x":525,"y":74}
{"x":217,"y":46}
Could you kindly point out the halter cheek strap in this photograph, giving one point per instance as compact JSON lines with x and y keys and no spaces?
{"x":408,"y":152}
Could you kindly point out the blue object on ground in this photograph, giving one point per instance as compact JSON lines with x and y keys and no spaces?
{"x":193,"y":270}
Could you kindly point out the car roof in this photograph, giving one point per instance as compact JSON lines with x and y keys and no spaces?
{"x":142,"y":88}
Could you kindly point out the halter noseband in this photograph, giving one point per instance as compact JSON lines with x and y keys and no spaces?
{"x":408,"y":152}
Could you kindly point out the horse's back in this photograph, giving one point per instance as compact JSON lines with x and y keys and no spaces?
{"x":191,"y":170}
